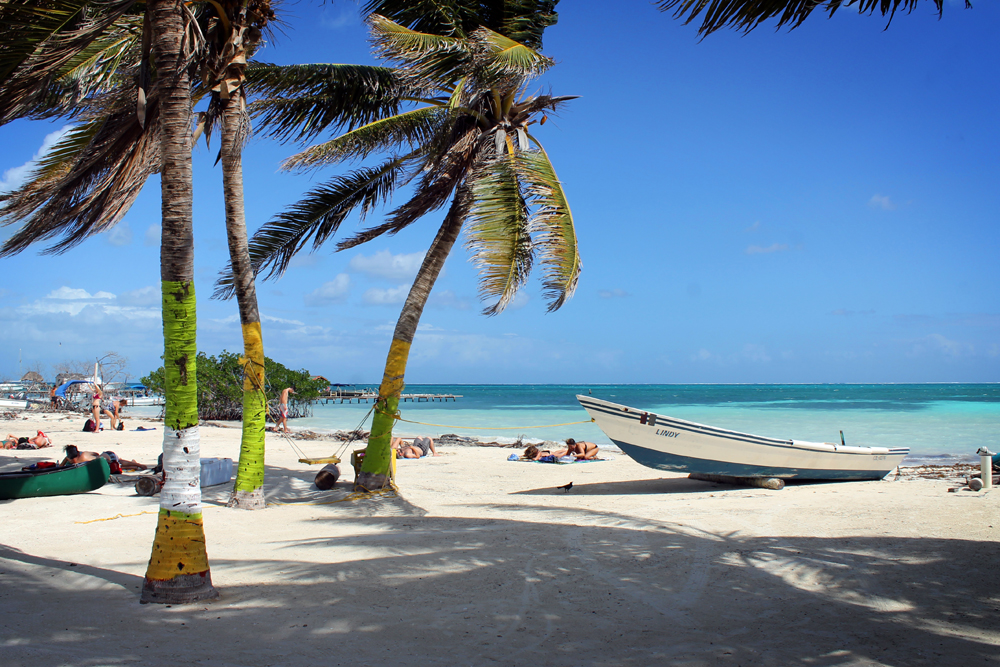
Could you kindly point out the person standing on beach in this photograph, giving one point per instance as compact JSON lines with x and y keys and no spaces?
{"x":283,"y":409}
{"x":95,"y":408}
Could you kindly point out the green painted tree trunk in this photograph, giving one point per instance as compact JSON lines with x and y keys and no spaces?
{"x":378,"y":454}
{"x":248,"y":491}
{"x":178,"y":569}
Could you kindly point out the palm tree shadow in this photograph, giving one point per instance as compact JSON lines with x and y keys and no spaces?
{"x":664,"y":485}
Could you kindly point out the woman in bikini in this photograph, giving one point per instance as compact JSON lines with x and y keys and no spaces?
{"x":583,"y":451}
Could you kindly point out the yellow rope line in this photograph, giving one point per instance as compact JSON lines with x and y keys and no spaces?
{"x":492,"y":428}
{"x":117,"y":516}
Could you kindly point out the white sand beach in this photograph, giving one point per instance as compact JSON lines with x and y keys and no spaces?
{"x":481,"y":561}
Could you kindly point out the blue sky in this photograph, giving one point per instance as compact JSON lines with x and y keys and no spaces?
{"x":819,"y":205}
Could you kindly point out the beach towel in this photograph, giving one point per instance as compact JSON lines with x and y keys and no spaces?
{"x":560,"y":460}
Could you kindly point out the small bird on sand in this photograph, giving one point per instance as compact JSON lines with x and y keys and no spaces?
{"x":566,"y":487}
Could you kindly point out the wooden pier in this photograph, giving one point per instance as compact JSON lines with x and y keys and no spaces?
{"x":366,"y":397}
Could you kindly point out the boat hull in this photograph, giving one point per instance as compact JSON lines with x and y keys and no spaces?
{"x":667,"y":443}
{"x":80,"y":478}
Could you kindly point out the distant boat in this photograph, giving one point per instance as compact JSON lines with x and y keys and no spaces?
{"x":146,"y":400}
{"x":19,"y":403}
{"x":666,"y":443}
{"x":57,"y":481}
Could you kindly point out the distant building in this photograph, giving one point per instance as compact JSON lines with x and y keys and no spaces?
{"x":33,"y":378}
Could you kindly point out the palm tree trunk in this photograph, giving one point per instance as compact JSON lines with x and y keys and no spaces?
{"x":178,"y":567}
{"x":375,"y":469}
{"x":248,"y":491}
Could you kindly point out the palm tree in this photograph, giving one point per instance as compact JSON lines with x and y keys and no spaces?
{"x":746,"y":15}
{"x":122,"y":145}
{"x":468,"y":144}
{"x":64,"y":46}
{"x":178,"y":569}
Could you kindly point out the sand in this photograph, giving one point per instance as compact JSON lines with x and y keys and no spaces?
{"x":481,"y":561}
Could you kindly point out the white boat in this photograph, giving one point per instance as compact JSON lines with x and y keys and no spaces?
{"x":666,"y":443}
{"x":145,"y":400}
{"x":18,"y":403}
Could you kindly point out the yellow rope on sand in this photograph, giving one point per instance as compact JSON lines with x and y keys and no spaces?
{"x":117,"y":516}
{"x":492,"y":428}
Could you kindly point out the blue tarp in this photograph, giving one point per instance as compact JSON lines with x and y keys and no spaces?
{"x":61,"y":391}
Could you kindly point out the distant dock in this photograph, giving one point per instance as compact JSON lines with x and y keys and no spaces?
{"x":365,"y":397}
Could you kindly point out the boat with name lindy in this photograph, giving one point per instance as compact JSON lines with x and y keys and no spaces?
{"x":666,"y":443}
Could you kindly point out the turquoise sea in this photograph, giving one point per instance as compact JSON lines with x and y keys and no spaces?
{"x":938,"y":422}
{"x":950,"y":421}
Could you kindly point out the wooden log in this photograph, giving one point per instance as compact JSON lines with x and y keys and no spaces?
{"x":773,"y":483}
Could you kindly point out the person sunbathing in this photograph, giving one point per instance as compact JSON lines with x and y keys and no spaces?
{"x":420,"y":447}
{"x":533,"y":453}
{"x":39,"y":441}
{"x":583,"y":451}
{"x":74,"y":456}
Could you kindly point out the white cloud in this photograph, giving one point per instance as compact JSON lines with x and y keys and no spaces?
{"x":334,"y":291}
{"x":152,"y":237}
{"x":15,"y":177}
{"x":76,"y":302}
{"x":882,"y":202}
{"x":754,"y":227}
{"x":756,"y":353}
{"x":385,"y":297}
{"x":120,"y":234}
{"x":612,"y":293}
{"x":940,"y":344}
{"x":384,"y":264}
{"x":447,"y":299}
{"x":281,"y":320}
{"x":341,"y":20}
{"x":758,"y":250}
{"x":519,"y":301}
{"x":145,"y":296}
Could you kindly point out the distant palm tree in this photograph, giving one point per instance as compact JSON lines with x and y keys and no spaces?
{"x":469,"y":143}
{"x":746,"y":15}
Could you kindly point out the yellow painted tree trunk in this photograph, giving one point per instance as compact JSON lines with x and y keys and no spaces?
{"x":178,"y":569}
{"x":378,"y":454}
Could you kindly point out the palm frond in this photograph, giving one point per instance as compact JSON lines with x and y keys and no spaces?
{"x":443,"y":173}
{"x":497,"y":233}
{"x":499,"y":56}
{"x":87,"y":183}
{"x":409,"y":128}
{"x":298,"y":102}
{"x":746,"y":15}
{"x":38,"y":39}
{"x":551,"y":226}
{"x":317,"y":217}
{"x":425,"y":58}
{"x":523,"y":21}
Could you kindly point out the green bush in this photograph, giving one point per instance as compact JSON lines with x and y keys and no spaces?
{"x":220,"y":386}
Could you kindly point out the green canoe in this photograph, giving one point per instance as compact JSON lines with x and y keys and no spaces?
{"x":78,"y":478}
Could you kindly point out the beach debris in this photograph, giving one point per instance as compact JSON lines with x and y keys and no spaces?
{"x":149,"y":485}
{"x":985,"y":467}
{"x":566,"y":487}
{"x":327,"y":477}
{"x":772,"y":483}
{"x":976,"y":484}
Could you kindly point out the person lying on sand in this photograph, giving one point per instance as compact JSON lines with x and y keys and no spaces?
{"x":39,"y":441}
{"x":420,"y":447}
{"x":533,"y":453}
{"x":583,"y":451}
{"x":74,"y":456}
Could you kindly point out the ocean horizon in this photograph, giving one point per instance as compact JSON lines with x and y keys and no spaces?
{"x":939,"y":422}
